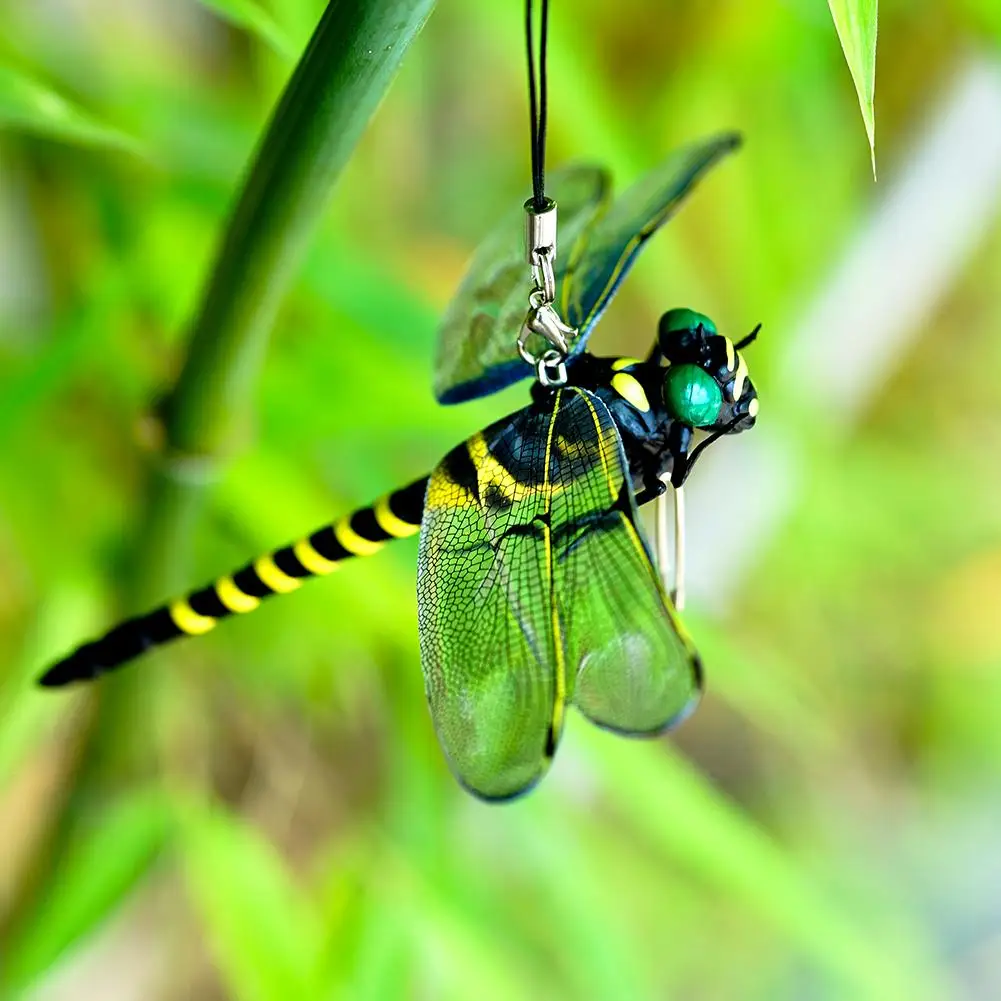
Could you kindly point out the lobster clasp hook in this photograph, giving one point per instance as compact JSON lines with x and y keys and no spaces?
{"x":542,"y":319}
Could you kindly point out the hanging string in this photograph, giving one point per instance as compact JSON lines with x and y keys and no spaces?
{"x":538,"y":101}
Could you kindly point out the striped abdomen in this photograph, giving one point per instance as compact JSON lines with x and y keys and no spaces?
{"x":366,"y":531}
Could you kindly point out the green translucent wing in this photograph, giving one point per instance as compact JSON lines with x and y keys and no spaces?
{"x":634,"y":668}
{"x":476,"y":352}
{"x":485,"y":606}
{"x":593,"y":275}
{"x":535,"y":590}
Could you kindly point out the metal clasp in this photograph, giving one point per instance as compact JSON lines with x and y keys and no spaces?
{"x":542,"y":318}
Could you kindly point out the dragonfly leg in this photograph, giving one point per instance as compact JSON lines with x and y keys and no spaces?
{"x":674,"y":582}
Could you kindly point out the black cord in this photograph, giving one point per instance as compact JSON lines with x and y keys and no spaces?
{"x":538,"y":102}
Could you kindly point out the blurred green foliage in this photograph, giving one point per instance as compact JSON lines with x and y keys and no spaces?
{"x":264,"y":813}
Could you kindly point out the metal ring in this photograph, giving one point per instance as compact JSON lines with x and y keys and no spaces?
{"x":551,"y":362}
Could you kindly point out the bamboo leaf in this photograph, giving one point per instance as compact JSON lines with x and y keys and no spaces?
{"x":31,"y":106}
{"x":254,"y":18}
{"x":856,"y":21}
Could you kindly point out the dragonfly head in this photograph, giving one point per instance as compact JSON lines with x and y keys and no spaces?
{"x":706,"y":384}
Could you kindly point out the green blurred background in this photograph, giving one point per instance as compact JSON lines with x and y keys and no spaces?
{"x":264,"y":813}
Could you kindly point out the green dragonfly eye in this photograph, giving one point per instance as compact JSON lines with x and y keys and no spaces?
{"x":692,"y":395}
{"x":679,"y":320}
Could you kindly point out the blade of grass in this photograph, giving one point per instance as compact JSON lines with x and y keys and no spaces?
{"x":856,"y":22}
{"x":28,"y":105}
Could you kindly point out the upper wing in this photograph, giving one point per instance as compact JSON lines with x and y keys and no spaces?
{"x":534,"y":590}
{"x":593,"y":275}
{"x":476,"y":352}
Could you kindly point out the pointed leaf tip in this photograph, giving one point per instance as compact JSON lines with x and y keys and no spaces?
{"x":856,"y":23}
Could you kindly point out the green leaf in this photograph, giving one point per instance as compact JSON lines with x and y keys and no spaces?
{"x":265,"y":938}
{"x":856,"y":23}
{"x":105,"y":865}
{"x":31,"y":106}
{"x":250,"y":15}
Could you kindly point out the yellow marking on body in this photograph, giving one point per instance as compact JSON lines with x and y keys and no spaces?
{"x":731,"y":357}
{"x":560,"y":694}
{"x":352,"y":541}
{"x":313,"y":561}
{"x":629,"y":388}
{"x":620,"y":363}
{"x":188,"y":620}
{"x":273,"y":577}
{"x":233,"y":598}
{"x":739,"y":379}
{"x":752,"y":408}
{"x":392,"y":523}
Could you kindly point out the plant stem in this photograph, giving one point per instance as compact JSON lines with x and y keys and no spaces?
{"x":346,"y":69}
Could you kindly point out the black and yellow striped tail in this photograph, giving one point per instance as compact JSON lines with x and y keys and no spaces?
{"x":363,"y":533}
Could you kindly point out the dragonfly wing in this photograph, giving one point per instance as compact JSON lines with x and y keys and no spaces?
{"x":594,"y":274}
{"x":633,"y":668}
{"x":476,"y":352}
{"x":535,"y":589}
{"x":486,"y":611}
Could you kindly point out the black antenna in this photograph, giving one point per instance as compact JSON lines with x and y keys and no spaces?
{"x":749,"y":339}
{"x":538,"y":101}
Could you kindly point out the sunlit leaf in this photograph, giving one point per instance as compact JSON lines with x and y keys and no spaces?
{"x":856,"y":23}
{"x":252,"y":16}
{"x":32,"y":106}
